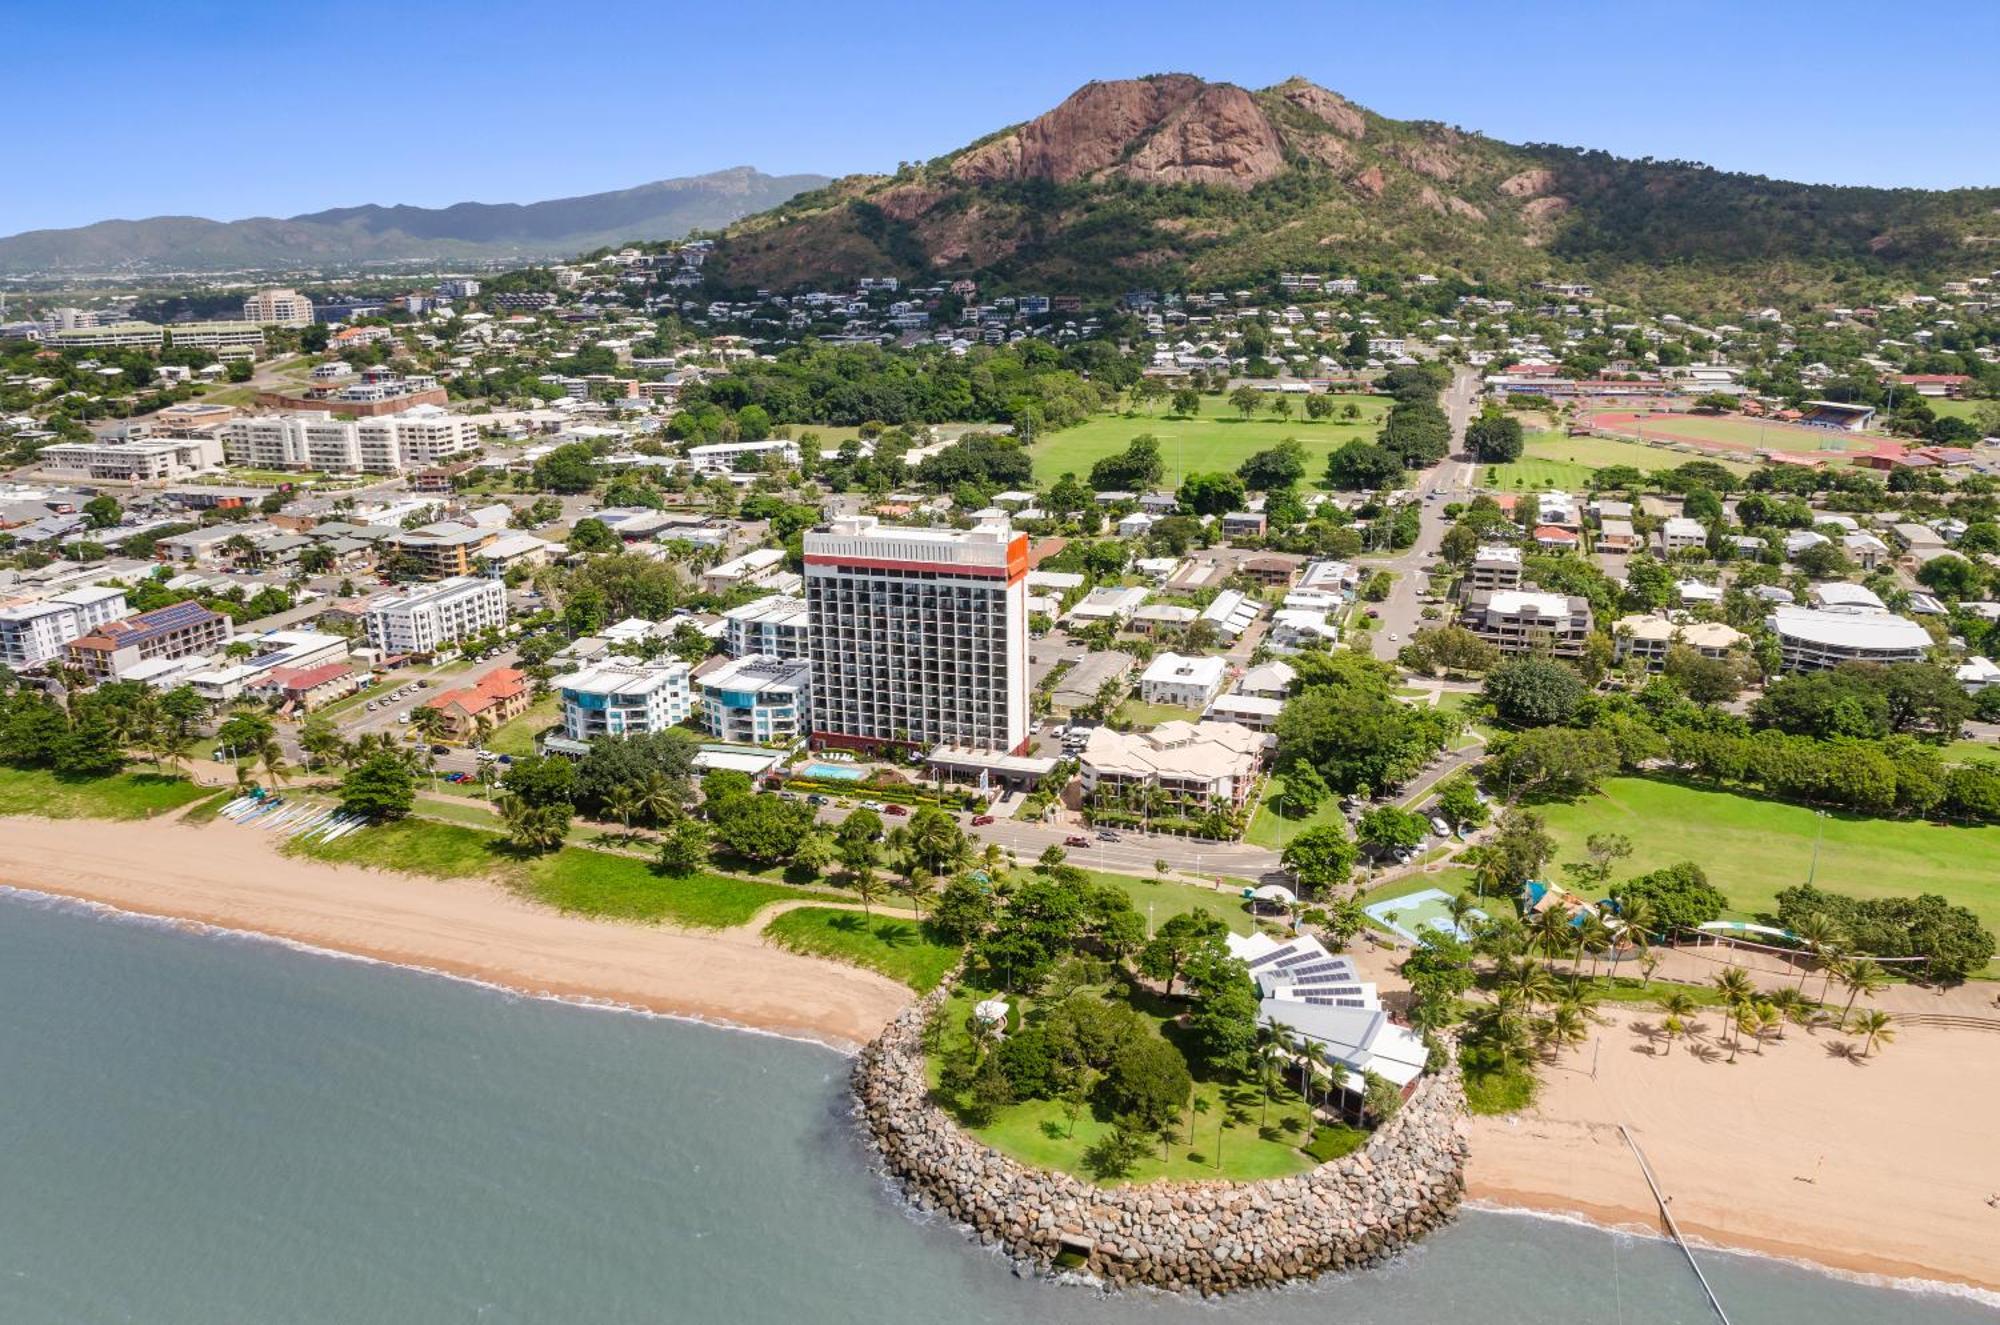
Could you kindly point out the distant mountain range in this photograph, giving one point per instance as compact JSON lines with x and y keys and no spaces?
{"x":1171,"y":180}
{"x":348,"y":236}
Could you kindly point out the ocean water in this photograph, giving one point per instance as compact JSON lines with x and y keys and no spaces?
{"x":212,"y":1129}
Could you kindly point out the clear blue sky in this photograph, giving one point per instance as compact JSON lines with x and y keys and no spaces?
{"x":231,"y":110}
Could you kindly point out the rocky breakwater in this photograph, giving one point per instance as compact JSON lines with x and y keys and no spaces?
{"x":1206,"y":1237}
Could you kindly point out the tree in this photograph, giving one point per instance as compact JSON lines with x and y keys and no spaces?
{"x":1319,"y":859}
{"x":1223,"y":1025}
{"x":1135,"y":469}
{"x":1388,"y":828}
{"x":1212,"y":494}
{"x":593,"y":535}
{"x":683,"y":848}
{"x":1279,"y":467}
{"x":1145,"y":1082}
{"x":1246,"y":400}
{"x":1363,"y":467}
{"x":102,"y":512}
{"x":1679,"y":896}
{"x":568,"y":469}
{"x":1186,"y":401}
{"x":1553,"y":761}
{"x":762,"y":828}
{"x":90,"y":748}
{"x":1530,"y":691}
{"x":1178,"y":939}
{"x":1518,"y":851}
{"x":963,"y":912}
{"x":531,"y":826}
{"x":935,"y":837}
{"x":1875,"y":1026}
{"x":1459,"y":804}
{"x":1494,"y":438}
{"x":540,"y":781}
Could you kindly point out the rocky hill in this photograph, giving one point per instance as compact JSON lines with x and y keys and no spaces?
{"x":1171,"y":179}
{"x":664,"y":209}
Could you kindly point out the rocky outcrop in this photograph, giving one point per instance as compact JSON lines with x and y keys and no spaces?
{"x":1173,"y":129}
{"x":1206,"y":1237}
{"x":1529,"y":183}
{"x":1328,"y":107}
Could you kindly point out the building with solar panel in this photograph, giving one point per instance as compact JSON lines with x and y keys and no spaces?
{"x":180,"y":630}
{"x":1309,"y":993}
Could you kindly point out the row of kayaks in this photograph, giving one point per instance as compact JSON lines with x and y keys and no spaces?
{"x":309,"y":822}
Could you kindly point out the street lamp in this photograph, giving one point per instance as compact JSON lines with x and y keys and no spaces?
{"x":1813,"y":869}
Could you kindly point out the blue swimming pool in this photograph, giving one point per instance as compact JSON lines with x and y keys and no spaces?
{"x":832,"y":772}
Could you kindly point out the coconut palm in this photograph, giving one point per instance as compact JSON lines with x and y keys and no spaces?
{"x":1679,"y":1005}
{"x":1566,"y":1025}
{"x":1534,"y":983}
{"x":427,"y":722}
{"x":1790,"y":1005}
{"x":1737,"y":989}
{"x":1833,"y":967}
{"x":1269,"y":1063}
{"x":1551,"y":930}
{"x":1863,"y":976}
{"x":1637,"y":920}
{"x":271,"y":758}
{"x":621,"y":803}
{"x":1460,"y":906}
{"x":1875,"y":1027}
{"x":1822,"y":936}
{"x":1594,"y":937}
{"x":918,"y":887}
{"x":1312,"y":1061}
{"x":868,"y":890}
{"x":656,"y":798}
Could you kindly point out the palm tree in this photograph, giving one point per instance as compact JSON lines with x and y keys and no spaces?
{"x":1593,"y":936}
{"x":1649,"y":961}
{"x":918,"y":887}
{"x":656,"y":798}
{"x":1566,"y":1025}
{"x":271,"y":757}
{"x":427,"y":722}
{"x":1679,"y":1005}
{"x":1458,"y":907}
{"x":1267,"y":1077}
{"x":1532,"y":982}
{"x":1737,"y":989}
{"x":868,"y":890}
{"x":1638,"y":923}
{"x":1862,"y":976}
{"x":1875,"y":1026}
{"x":1551,"y":929}
{"x":1822,"y":937}
{"x":622,"y":802}
{"x":1790,"y":1005}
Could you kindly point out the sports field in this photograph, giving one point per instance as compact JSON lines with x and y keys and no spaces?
{"x":1551,"y":460}
{"x":1215,"y":441}
{"x":1752,"y":847}
{"x":1730,"y":432}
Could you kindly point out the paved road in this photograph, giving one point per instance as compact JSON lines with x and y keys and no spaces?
{"x":1450,"y":480}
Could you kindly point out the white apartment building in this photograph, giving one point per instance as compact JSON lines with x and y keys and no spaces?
{"x":728,"y":457}
{"x":1184,"y":682}
{"x":753,"y":567}
{"x":427,"y":619}
{"x":315,"y":439}
{"x":1196,"y":766}
{"x":149,"y":459}
{"x":283,"y":308}
{"x":919,"y":636}
{"x":775,"y":627}
{"x":1518,"y":620}
{"x":1809,"y":640}
{"x":33,"y":633}
{"x":1678,"y":533}
{"x":1650,"y":637}
{"x":756,"y":700}
{"x":624,"y":697}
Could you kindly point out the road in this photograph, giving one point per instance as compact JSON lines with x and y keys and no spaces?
{"x":1450,"y":480}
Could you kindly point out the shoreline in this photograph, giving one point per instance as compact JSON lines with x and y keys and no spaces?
{"x":1923,"y":1228}
{"x":1873,"y":1271}
{"x":473,"y":930}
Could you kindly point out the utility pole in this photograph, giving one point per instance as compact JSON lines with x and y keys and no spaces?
{"x":1812,"y":870}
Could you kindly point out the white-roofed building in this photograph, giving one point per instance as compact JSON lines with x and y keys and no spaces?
{"x":1196,"y":765}
{"x":1185,"y":682}
{"x":625,"y":697}
{"x":777,"y":627}
{"x":1809,"y":639}
{"x":1232,"y":612}
{"x":1650,"y":637}
{"x":1319,"y":996}
{"x":1841,"y":596}
{"x":1518,"y":620}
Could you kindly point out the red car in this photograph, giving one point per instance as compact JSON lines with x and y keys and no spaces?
{"x":981,"y":820}
{"x":1076,"y":840}
{"x":895,"y":809}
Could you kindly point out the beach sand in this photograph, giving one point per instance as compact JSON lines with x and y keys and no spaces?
{"x":1880,"y":1166}
{"x":236,"y":879}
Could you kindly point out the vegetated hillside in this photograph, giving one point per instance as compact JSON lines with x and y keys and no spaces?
{"x":665,"y":209}
{"x":1169,"y":180}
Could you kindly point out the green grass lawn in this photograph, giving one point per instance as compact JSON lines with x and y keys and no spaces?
{"x":1961,"y":752}
{"x":1168,"y":898}
{"x":1234,"y":1137}
{"x":1953,"y":409}
{"x":137,"y":794}
{"x":517,"y":737}
{"x":576,"y":879}
{"x":1552,"y":460}
{"x":1214,"y":441}
{"x":1270,"y":829}
{"x":1752,"y":847}
{"x":898,"y":949}
{"x":1144,"y":717}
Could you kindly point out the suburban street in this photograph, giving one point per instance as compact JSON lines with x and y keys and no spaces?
{"x":1452,"y":479}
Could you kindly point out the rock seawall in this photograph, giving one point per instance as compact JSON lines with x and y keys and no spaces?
{"x":1206,"y":1237}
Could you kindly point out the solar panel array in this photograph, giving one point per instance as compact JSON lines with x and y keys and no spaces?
{"x":1322,"y":1000}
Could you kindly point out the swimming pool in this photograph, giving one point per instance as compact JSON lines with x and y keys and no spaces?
{"x":832,"y":772}
{"x":1417,"y":912}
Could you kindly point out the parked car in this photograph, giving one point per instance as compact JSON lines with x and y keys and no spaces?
{"x":815,"y":799}
{"x":440,"y":749}
{"x":372,"y":706}
{"x":1076,"y":840}
{"x":896,"y":809}
{"x":981,"y":820}
{"x":1443,"y":828}
{"x":1106,"y":835}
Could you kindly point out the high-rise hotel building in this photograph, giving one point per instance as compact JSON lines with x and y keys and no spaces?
{"x":919,"y":636}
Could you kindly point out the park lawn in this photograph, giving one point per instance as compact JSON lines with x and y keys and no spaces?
{"x":134,"y":794}
{"x":1964,"y":752}
{"x":1552,"y":460}
{"x":1217,"y":440}
{"x":473,"y":816}
{"x":1752,"y":847}
{"x":1270,"y":829}
{"x":1231,"y":1116}
{"x":1168,"y":898}
{"x":516,"y":737}
{"x":1946,"y":408}
{"x":594,"y":883}
{"x":899,"y":949}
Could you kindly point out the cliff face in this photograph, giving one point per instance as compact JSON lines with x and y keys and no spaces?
{"x":1173,"y":129}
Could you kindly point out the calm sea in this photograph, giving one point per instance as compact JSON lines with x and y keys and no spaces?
{"x":209,"y":1129}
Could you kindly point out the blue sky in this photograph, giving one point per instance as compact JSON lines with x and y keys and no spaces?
{"x":276,"y":109}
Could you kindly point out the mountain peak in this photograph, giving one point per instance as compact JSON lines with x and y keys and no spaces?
{"x":1161,"y":129}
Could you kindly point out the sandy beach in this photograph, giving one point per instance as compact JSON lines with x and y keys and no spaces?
{"x":1880,"y":1166}
{"x":228,"y":877}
